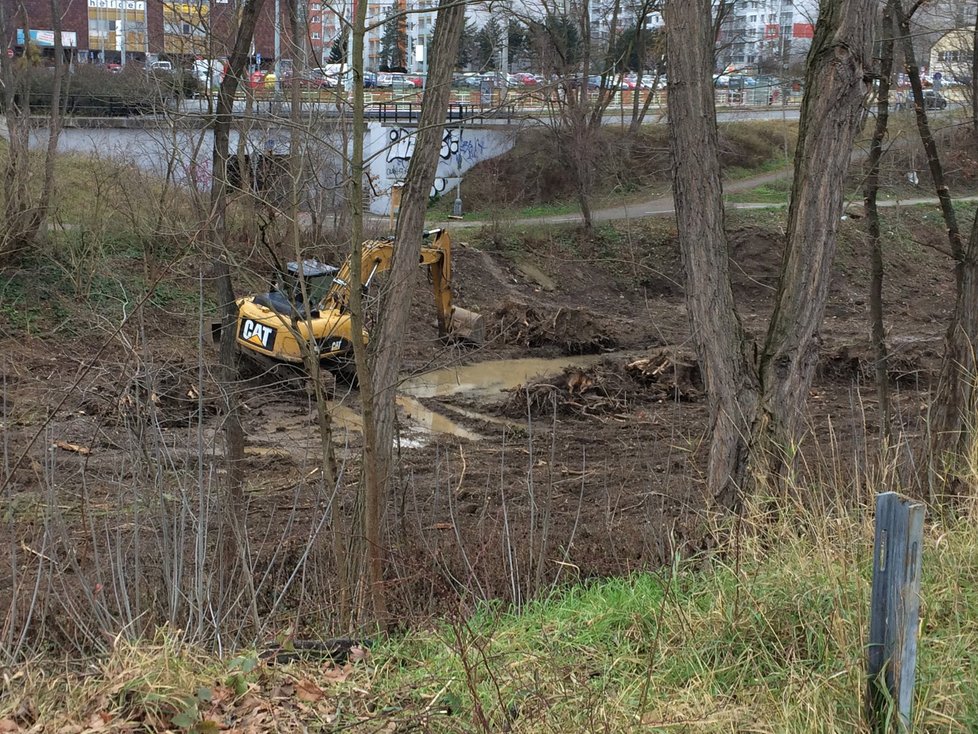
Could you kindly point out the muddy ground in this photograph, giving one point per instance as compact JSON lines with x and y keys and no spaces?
{"x":567,"y":446}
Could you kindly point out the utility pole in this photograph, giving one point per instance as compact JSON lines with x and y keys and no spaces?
{"x":278,"y":45}
{"x":122,"y":7}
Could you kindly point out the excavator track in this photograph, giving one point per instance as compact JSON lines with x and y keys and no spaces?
{"x":268,"y":373}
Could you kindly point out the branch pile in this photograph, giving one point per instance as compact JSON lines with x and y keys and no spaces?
{"x":610,"y":388}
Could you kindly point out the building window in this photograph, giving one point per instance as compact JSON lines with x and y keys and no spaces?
{"x":315,"y":36}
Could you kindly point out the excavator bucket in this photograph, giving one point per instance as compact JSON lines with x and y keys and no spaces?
{"x":468,"y":325}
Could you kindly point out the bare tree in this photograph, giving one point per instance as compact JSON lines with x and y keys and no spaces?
{"x":217,"y":236}
{"x":378,"y":371}
{"x":954,"y":428}
{"x":25,"y":212}
{"x":587,"y":77}
{"x":757,"y":403}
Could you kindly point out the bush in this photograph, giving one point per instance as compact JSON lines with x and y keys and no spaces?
{"x":94,"y":91}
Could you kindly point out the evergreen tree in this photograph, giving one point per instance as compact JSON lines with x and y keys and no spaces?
{"x":488,"y":41}
{"x":392,"y":44}
{"x":468,"y":47}
{"x":338,"y":52}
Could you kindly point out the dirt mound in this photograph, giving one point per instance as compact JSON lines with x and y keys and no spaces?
{"x":572,"y":330}
{"x":755,"y":261}
{"x":611,"y":387}
{"x":909,"y":362}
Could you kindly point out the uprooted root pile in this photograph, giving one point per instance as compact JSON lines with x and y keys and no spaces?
{"x":572,"y":330}
{"x":611,"y":387}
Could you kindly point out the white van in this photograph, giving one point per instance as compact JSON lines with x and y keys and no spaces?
{"x":209,"y":72}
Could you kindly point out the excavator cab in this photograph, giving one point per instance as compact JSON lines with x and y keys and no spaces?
{"x":285,"y":295}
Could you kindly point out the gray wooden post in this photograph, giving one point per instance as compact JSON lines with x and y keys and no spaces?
{"x":894,"y":611}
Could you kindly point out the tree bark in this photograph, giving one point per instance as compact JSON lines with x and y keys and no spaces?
{"x":836,"y":84}
{"x":756,"y":409}
{"x":870,"y":194}
{"x":723,"y":349}
{"x":378,"y":390}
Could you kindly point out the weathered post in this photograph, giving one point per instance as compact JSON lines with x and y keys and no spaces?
{"x":894,"y":611}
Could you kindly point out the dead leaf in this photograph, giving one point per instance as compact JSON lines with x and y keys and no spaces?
{"x":338,"y":675}
{"x":306,"y":690}
{"x":358,"y":654}
{"x":97,"y":722}
{"x":442,"y":526}
{"x":9,"y":725}
{"x":73,"y":447}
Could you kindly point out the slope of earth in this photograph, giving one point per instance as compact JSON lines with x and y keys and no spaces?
{"x":513,"y":475}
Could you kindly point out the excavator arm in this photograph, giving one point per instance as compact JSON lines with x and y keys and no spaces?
{"x":377,"y":256}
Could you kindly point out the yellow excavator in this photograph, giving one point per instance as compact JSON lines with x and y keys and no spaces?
{"x":275,"y":327}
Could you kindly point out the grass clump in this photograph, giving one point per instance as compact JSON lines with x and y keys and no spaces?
{"x":770,"y":640}
{"x":767,"y":636}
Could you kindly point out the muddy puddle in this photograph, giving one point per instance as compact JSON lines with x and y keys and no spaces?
{"x":488,"y":379}
{"x":481,"y":380}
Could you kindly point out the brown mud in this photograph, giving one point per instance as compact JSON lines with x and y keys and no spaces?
{"x":569,"y":445}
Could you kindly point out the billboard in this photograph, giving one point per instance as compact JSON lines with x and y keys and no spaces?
{"x":69,"y":39}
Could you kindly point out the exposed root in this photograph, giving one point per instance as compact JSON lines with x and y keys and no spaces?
{"x":572,"y":330}
{"x":610,"y":389}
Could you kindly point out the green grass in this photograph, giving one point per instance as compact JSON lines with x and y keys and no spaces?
{"x":776,"y":644}
{"x":776,"y":192}
{"x":768,"y":636}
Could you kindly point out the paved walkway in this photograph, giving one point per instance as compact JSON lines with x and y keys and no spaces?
{"x":665,"y":206}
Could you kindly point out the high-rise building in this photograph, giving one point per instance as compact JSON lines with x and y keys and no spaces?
{"x":767,"y":36}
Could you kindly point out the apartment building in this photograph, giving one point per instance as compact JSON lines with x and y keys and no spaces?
{"x":767,"y":36}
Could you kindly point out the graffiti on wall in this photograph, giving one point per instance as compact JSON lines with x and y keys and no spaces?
{"x":401,"y":148}
{"x":390,"y":150}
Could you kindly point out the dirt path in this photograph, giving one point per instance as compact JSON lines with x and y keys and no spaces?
{"x":665,"y":205}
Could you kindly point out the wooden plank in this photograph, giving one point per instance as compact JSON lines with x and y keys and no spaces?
{"x":894,"y":612}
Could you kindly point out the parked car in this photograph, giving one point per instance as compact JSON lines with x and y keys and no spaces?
{"x":902,"y":99}
{"x":388,"y":80}
{"x":309,"y":79}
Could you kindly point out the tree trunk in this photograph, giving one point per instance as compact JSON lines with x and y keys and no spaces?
{"x":839,"y":68}
{"x":234,"y":434}
{"x":954,"y":426}
{"x":756,"y":409}
{"x":723,"y":349}
{"x":217,"y":236}
{"x":871,"y":191}
{"x":378,"y":390}
{"x":358,"y":566}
